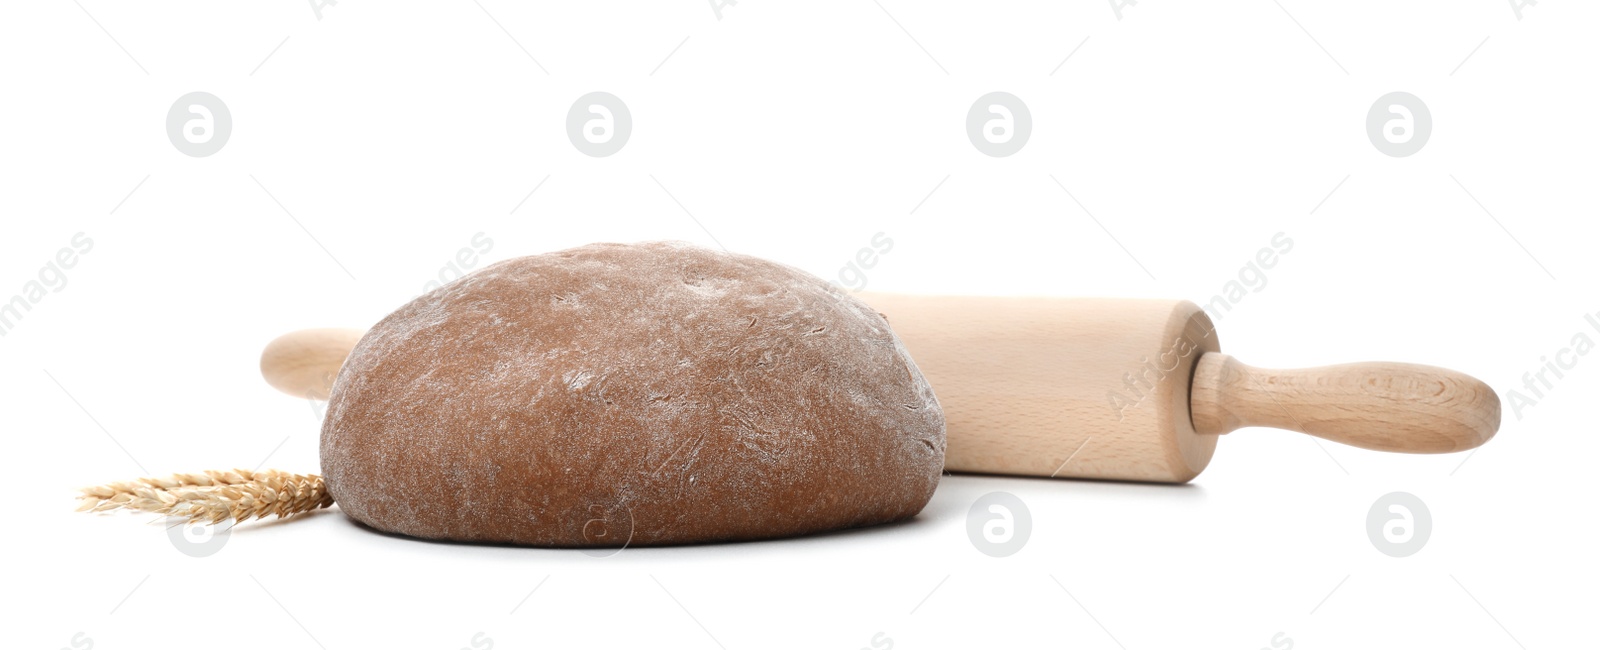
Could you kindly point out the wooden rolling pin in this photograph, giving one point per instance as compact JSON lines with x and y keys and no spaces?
{"x":1097,"y":388}
{"x":1138,"y":389}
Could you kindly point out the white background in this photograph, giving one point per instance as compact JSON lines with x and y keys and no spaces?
{"x":391,"y":133}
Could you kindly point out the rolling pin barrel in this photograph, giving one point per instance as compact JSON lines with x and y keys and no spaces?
{"x":1061,"y":387}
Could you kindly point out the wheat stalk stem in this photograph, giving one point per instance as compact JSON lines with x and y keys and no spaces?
{"x":213,"y":496}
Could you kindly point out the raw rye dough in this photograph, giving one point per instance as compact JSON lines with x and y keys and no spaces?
{"x":613,"y":395}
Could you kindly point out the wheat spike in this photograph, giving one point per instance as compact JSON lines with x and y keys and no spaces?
{"x":213,"y":497}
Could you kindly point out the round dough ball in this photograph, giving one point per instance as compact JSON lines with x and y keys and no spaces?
{"x":614,"y":395}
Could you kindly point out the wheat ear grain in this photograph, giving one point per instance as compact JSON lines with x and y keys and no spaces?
{"x":213,"y":496}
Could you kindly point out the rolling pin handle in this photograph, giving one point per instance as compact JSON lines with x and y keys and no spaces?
{"x":304,"y":363}
{"x":1377,"y":405}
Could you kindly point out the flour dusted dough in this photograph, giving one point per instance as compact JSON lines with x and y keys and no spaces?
{"x":615,"y":394}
